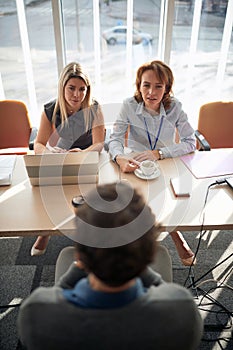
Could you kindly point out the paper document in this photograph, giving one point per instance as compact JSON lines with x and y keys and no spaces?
{"x":7,"y":164}
{"x":217,"y":162}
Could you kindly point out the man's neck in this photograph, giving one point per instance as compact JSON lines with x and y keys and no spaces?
{"x":100,"y":286}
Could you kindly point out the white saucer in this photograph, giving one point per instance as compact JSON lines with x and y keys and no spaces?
{"x":140,"y":174}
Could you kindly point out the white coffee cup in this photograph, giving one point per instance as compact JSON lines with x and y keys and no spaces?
{"x":148,"y":167}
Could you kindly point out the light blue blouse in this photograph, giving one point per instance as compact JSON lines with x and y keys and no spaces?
{"x":145,"y":128}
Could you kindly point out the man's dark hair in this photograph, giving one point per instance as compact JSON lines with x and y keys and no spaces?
{"x":120,"y":211}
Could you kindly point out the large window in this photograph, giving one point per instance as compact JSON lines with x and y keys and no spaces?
{"x":193,"y":37}
{"x":202,"y":52}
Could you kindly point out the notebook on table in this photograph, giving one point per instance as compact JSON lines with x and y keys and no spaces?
{"x":7,"y":165}
{"x":62,"y":168}
{"x":217,"y":162}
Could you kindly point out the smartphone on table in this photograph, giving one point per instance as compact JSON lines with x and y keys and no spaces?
{"x":180,"y":187}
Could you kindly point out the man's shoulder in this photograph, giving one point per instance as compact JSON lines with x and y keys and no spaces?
{"x":170,"y":291}
{"x":170,"y":299}
{"x":43,"y":295}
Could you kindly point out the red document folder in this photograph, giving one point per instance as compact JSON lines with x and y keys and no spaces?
{"x":217,"y":162}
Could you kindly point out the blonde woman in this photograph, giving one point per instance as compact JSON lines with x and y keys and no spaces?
{"x":72,"y":123}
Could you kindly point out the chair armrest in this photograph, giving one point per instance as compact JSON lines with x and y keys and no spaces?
{"x":204,"y":145}
{"x":32,"y":137}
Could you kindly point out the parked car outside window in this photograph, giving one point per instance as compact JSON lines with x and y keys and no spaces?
{"x":118,"y":35}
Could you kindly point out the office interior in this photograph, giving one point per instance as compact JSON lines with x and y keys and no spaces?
{"x":194,"y":37}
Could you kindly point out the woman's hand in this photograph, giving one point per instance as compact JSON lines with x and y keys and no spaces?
{"x":95,"y":147}
{"x":127,"y":165}
{"x":75,"y":150}
{"x":55,"y":149}
{"x":151,"y":155}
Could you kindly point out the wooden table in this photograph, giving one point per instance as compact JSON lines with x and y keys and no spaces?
{"x":27,"y":210}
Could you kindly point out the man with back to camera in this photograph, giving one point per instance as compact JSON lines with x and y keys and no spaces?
{"x":110,"y":298}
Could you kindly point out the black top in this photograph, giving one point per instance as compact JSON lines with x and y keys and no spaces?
{"x":73,"y":132}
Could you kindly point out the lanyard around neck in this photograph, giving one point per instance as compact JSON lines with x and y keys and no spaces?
{"x":152,"y":147}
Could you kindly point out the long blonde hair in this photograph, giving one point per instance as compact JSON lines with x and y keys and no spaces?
{"x":163,"y":73}
{"x":72,"y":70}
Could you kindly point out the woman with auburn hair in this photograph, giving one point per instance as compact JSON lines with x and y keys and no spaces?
{"x":152,"y":118}
{"x":71,"y":123}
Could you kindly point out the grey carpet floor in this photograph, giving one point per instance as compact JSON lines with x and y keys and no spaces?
{"x":212,"y":289}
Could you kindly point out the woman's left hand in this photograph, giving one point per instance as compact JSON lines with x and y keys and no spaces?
{"x":75,"y":150}
{"x":151,"y":155}
{"x":57,"y":150}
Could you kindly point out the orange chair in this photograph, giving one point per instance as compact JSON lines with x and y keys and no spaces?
{"x":215,"y":126}
{"x":16,"y":133}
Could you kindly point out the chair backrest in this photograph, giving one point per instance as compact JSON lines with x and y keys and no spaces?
{"x":15,"y":126}
{"x":216,"y":124}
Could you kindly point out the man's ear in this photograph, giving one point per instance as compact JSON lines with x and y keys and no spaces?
{"x":79,"y":262}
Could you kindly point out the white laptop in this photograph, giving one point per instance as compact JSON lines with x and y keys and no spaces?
{"x":7,"y":165}
{"x":62,"y":168}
